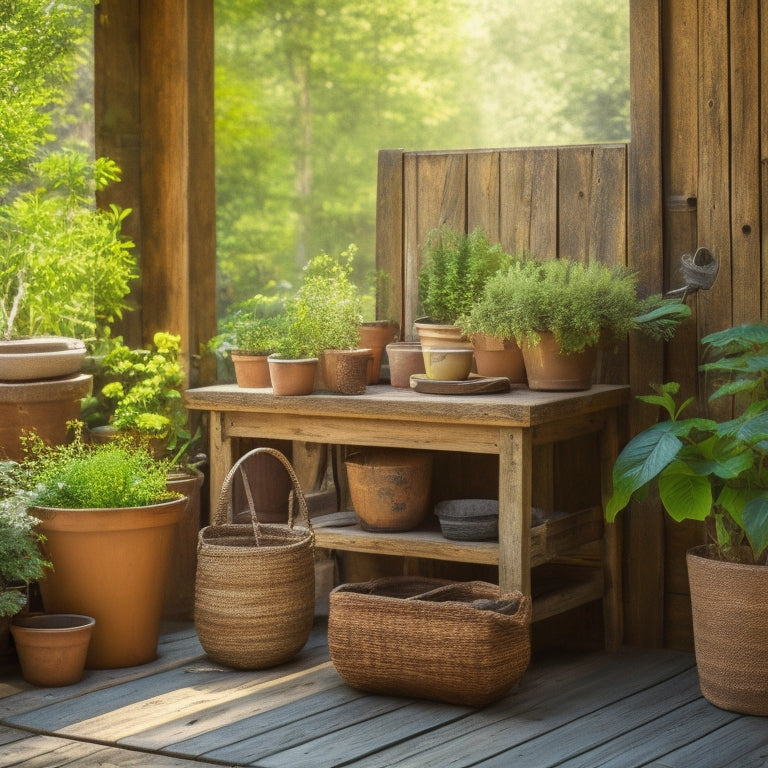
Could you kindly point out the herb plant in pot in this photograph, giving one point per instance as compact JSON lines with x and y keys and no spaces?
{"x":108,"y":520}
{"x":559,"y":312}
{"x":452,"y":276}
{"x":328,"y":294}
{"x":717,"y":471}
{"x":255,"y":339}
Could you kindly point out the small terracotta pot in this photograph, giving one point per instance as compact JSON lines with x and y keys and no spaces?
{"x":390,"y":487}
{"x":548,"y":369}
{"x":292,"y":377}
{"x":405,"y":359}
{"x":52,"y":648}
{"x":375,"y":336}
{"x":436,"y":336}
{"x":448,"y":364}
{"x":251,"y":370}
{"x":499,"y":357}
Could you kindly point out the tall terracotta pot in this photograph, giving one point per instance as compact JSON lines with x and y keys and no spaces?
{"x":730,"y":631}
{"x":375,"y":336}
{"x":549,"y":369}
{"x":111,"y":564}
{"x":345,"y":371}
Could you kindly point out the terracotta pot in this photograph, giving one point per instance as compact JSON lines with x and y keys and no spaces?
{"x":270,"y":487}
{"x":499,"y":357}
{"x":436,"y":336}
{"x":448,"y":364}
{"x":549,"y":369}
{"x":730,"y":631}
{"x":179,"y":599}
{"x":292,"y":377}
{"x":405,"y":359}
{"x":375,"y":336}
{"x":251,"y":370}
{"x":111,"y":564}
{"x":346,"y":370}
{"x":43,"y":406}
{"x":390,"y":487}
{"x":52,"y":648}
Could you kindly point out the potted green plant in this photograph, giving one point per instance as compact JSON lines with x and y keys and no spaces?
{"x":453,"y":273}
{"x":560,"y":310}
{"x":255,"y":338}
{"x":717,"y":471}
{"x":108,"y":520}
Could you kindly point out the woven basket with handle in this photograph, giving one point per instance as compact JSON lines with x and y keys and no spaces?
{"x":461,"y":642}
{"x":255,"y":584}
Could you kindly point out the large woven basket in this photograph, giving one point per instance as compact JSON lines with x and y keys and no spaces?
{"x":255,"y":585}
{"x":461,"y":643}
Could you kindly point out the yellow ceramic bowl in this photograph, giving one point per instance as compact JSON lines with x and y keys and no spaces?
{"x":447,"y":364}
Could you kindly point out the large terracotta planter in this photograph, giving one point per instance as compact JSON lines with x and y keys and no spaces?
{"x":549,"y":369}
{"x":40,"y":357}
{"x":375,"y":336}
{"x":730,"y":631}
{"x":390,"y":487}
{"x":43,"y":407}
{"x":292,"y":377}
{"x":52,"y":648}
{"x":436,"y":336}
{"x":345,"y":371}
{"x":499,"y":357}
{"x":251,"y":370}
{"x":111,"y":564}
{"x":179,"y":600}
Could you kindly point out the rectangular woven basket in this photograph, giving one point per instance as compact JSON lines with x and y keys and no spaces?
{"x":455,"y":642}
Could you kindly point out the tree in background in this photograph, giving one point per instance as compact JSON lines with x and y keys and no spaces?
{"x":307,"y":92}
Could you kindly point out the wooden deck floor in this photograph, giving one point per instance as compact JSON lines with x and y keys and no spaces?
{"x":633,"y":708}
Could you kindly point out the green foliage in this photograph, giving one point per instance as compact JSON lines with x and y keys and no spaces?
{"x":259,"y":335}
{"x":454,"y":271}
{"x":21,"y":561}
{"x":326,"y":311}
{"x":141,"y":393}
{"x":66,"y":269}
{"x":705,"y":468}
{"x":578,"y":303}
{"x":80,"y":475}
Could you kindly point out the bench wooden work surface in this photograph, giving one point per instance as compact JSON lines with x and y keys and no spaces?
{"x":508,"y":425}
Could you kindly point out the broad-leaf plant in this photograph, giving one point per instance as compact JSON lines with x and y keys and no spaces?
{"x":706,"y":469}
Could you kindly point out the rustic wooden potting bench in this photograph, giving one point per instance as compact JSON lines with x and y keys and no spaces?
{"x":509,"y":425}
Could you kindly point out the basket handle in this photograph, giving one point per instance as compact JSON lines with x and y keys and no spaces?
{"x":224,"y":507}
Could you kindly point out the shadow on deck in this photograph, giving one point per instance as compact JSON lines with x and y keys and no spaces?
{"x":632,"y":708}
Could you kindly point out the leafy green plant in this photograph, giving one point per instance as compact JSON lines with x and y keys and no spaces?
{"x":21,"y":561}
{"x":81,"y":475}
{"x":141,"y":394}
{"x":578,"y":303}
{"x":454,"y":272}
{"x":326,"y":312}
{"x":708,"y":469}
{"x":259,"y":335}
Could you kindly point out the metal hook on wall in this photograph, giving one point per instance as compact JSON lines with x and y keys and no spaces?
{"x":699,"y":272}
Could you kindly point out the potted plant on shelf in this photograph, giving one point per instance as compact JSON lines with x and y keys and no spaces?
{"x":255,"y":338}
{"x":328,"y":294}
{"x":108,"y":520}
{"x":560,"y":310}
{"x":717,"y":471}
{"x":452,"y":276}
